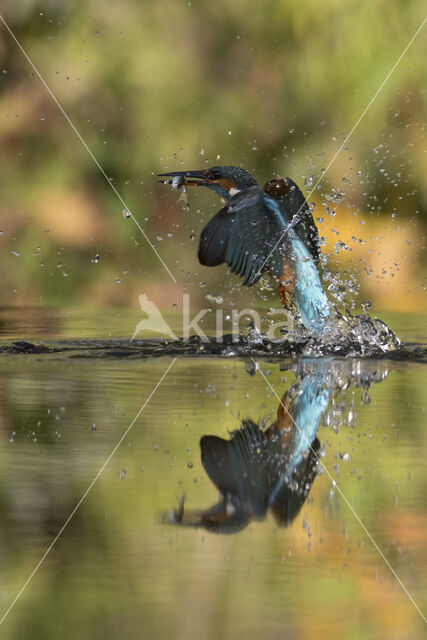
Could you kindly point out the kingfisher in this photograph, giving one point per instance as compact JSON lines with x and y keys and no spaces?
{"x":263,"y":230}
{"x":257,"y":471}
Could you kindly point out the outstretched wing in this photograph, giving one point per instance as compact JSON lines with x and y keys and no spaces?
{"x":243,"y":234}
{"x":305,"y":228}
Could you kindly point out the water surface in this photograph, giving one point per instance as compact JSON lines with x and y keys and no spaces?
{"x":125,"y":566}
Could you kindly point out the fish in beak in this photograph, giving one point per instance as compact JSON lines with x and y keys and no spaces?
{"x":180,"y":179}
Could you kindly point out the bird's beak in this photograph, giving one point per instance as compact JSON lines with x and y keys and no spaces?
{"x":185,"y":178}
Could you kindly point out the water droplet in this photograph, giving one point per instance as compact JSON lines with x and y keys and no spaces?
{"x":189,"y":464}
{"x":122,"y":474}
{"x":126,"y":213}
{"x":212,"y":298}
{"x":95,"y":258}
{"x":15,"y":253}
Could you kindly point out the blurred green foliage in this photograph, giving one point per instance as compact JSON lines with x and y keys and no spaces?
{"x":273,"y":86}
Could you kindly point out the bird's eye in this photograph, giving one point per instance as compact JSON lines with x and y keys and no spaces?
{"x":213,"y":174}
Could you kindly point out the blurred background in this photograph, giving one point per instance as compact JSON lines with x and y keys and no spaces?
{"x":273,"y":86}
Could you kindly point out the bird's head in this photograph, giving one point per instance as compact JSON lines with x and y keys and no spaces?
{"x":225,"y":181}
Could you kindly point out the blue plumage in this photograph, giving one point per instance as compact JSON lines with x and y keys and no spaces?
{"x":310,"y":298}
{"x":252,"y":234}
{"x":258,"y":470}
{"x":308,"y":408}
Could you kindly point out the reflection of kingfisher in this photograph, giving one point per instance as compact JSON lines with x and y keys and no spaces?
{"x":257,"y":231}
{"x":259,"y":470}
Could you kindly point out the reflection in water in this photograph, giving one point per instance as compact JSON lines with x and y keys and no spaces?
{"x":257,"y":470}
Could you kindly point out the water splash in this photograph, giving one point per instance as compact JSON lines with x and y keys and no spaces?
{"x":359,"y":336}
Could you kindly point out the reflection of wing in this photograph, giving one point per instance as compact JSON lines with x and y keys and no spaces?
{"x":242,"y":235}
{"x":306,"y":228}
{"x":293,"y":488}
{"x":237,"y":467}
{"x":227,"y":461}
